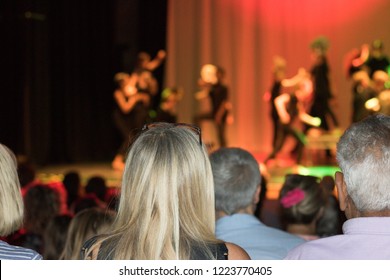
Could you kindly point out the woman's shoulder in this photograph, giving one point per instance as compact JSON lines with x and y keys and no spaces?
{"x":11,"y":252}
{"x":235,"y":252}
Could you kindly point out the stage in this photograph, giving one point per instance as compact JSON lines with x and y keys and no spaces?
{"x":274,"y":171}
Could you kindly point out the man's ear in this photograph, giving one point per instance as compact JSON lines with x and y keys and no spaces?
{"x":341,"y":190}
{"x":256,"y":196}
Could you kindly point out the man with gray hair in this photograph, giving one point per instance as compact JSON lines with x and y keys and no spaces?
{"x":363,"y":186}
{"x":237,"y":187}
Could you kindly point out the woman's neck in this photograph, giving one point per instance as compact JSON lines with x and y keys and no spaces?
{"x":303,"y":229}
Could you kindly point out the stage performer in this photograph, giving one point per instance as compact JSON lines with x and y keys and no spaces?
{"x":214,"y":102}
{"x":291,"y":111}
{"x":321,"y":85}
{"x":131,"y":111}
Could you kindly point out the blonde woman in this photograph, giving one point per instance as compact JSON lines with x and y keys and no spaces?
{"x":166,"y":207}
{"x":84,"y":225}
{"x":11,"y":208}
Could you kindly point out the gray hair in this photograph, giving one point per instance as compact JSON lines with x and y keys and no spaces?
{"x":363,"y":154}
{"x":236,"y":177}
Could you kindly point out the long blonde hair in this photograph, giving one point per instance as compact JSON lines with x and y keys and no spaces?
{"x":11,"y":202}
{"x":84,"y":225}
{"x":166,"y":205}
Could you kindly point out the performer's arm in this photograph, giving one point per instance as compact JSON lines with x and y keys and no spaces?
{"x":155,"y":62}
{"x":221,"y":111}
{"x":306,"y":118}
{"x":280,"y":103}
{"x":127,"y":105}
{"x":296,"y":79}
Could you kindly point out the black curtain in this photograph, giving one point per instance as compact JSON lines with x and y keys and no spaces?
{"x":58,"y":62}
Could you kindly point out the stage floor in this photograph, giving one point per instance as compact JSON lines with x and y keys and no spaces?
{"x":275,"y":171}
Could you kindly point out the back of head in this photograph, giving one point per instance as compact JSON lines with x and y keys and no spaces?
{"x":97,"y":185}
{"x":72,"y":184}
{"x":328,"y":184}
{"x":11,"y":203}
{"x":85,"y":225}
{"x":363,"y":154}
{"x":301,"y":199}
{"x":167,"y":196}
{"x":54,"y":237}
{"x":236,"y":177}
{"x":41,"y":203}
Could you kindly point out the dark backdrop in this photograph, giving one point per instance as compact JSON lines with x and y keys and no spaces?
{"x":57,"y":60}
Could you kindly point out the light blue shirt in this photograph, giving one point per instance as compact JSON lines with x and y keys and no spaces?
{"x":10,"y":252}
{"x":260,"y":241}
{"x":363,"y":239}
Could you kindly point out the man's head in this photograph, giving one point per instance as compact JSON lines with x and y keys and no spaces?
{"x":363,"y":154}
{"x":236,"y":180}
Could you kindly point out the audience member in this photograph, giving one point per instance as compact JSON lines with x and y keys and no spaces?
{"x":302,"y":203}
{"x":97,"y":186}
{"x":72,"y":184}
{"x":85,"y":202}
{"x":332,"y":218}
{"x":166,"y":208}
{"x":54,"y":237}
{"x":363,"y":154}
{"x":11,"y":208}
{"x":237,"y":183}
{"x":41,"y":204}
{"x":28,"y":180}
{"x":85,"y":225}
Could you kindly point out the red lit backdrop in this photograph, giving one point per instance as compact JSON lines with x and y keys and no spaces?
{"x":243,"y":36}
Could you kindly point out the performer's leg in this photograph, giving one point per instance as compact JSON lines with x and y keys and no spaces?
{"x":282,"y":134}
{"x":221,"y":134}
{"x":275,"y":123}
{"x":301,"y":141}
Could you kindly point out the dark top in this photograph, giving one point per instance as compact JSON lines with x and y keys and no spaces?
{"x":377,"y":63}
{"x":218,"y":94}
{"x":106,"y":251}
{"x":275,"y":92}
{"x":321,"y":84}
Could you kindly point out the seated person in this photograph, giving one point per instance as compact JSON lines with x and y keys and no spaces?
{"x":166,"y":206}
{"x":11,"y":208}
{"x":237,"y":183}
{"x":302,"y":203}
{"x":363,"y":154}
